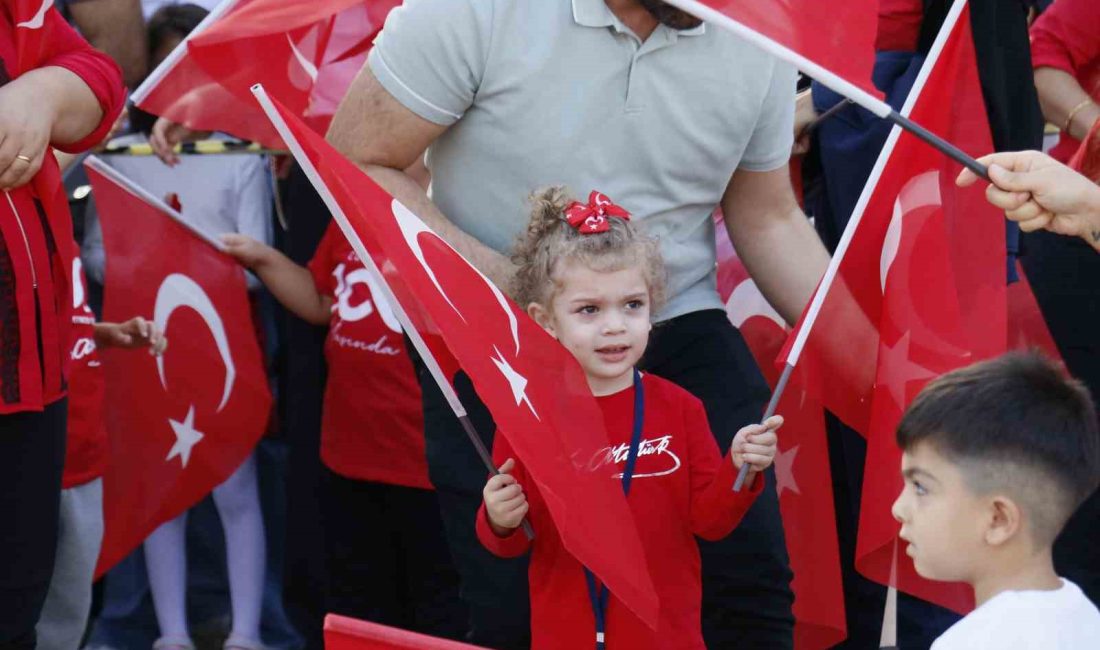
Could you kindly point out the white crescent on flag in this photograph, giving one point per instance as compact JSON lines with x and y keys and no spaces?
{"x":178,"y":290}
{"x":922,"y":191}
{"x":306,"y":64}
{"x":746,"y":301}
{"x":39,"y":18}
{"x":411,"y":227}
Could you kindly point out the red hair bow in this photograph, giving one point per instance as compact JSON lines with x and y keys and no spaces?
{"x":592,"y":218}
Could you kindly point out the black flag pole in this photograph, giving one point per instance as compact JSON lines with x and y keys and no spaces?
{"x":773,"y":404}
{"x":837,"y":83}
{"x":941,"y":145}
{"x":487,"y":458}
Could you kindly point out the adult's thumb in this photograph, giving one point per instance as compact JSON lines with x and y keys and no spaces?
{"x":1007,"y":180}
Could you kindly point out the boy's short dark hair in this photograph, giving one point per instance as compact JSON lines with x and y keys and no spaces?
{"x":1014,"y":423}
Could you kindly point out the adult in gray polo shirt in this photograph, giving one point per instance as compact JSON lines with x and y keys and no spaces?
{"x":671,"y":119}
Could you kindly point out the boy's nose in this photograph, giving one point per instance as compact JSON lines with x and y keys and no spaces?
{"x":897,"y":510}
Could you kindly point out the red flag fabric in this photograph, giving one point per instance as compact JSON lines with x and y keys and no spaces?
{"x":536,"y":391}
{"x":919,"y":290}
{"x":182,"y":423}
{"x":306,"y":52}
{"x":344,"y":633}
{"x":838,"y":36}
{"x":803,"y":479}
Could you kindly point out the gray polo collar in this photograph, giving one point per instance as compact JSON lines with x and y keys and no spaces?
{"x":595,"y":13}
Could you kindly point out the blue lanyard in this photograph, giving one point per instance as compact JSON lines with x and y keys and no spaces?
{"x":598,"y":596}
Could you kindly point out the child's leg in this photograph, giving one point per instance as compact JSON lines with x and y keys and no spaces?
{"x":80,"y":533}
{"x":238,"y":502}
{"x":166,"y":564}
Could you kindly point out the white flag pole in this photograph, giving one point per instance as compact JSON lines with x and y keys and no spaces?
{"x":832,"y":80}
{"x":368,"y":261}
{"x":872,"y":182}
{"x":814,"y":310}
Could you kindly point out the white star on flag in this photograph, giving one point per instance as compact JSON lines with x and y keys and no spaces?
{"x":186,"y":437}
{"x":784,"y":471}
{"x":898,"y":370}
{"x":516,"y":381}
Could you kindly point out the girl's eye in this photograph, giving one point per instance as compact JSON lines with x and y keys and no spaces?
{"x":635,"y":304}
{"x":919,"y":489}
{"x":587,"y":309}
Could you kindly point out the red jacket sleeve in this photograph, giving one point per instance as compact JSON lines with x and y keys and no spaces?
{"x":1066,"y":36}
{"x":715,"y":508}
{"x":517,"y":543}
{"x":101,"y":74}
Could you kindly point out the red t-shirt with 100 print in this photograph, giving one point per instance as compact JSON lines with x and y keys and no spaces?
{"x":372,"y":427}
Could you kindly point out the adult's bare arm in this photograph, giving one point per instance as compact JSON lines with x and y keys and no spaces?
{"x":384,"y":138}
{"x":1060,"y":95}
{"x":43,"y":106}
{"x":117,"y":28}
{"x":774,"y":238}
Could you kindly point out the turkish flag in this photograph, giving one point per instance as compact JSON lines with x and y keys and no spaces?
{"x":918,"y":290}
{"x":344,"y":633}
{"x":838,"y":36}
{"x":536,"y":391}
{"x":307,"y":53}
{"x":803,"y":480}
{"x":179,"y":424}
{"x":34,"y":22}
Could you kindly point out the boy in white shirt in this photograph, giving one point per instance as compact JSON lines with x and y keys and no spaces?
{"x":997,"y":456}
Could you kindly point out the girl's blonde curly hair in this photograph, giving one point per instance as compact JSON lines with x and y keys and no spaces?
{"x":550,"y":239}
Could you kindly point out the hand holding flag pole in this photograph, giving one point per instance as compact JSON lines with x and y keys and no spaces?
{"x":780,"y":386}
{"x":406,"y":323}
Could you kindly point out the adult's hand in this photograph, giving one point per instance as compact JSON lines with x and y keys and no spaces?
{"x":1039,"y":192}
{"x":25,"y":127}
{"x":166,"y":135}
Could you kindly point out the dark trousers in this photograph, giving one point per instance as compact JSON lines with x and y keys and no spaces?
{"x":32,"y":456}
{"x":746,"y":577}
{"x":387,"y":558}
{"x":1063,"y":273}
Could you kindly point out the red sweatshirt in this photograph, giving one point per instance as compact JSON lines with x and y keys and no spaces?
{"x":35,"y":225}
{"x":372,"y":425}
{"x":682,"y":487}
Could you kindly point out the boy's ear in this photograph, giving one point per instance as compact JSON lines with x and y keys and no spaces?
{"x":1005,"y":521}
{"x":542,"y":316}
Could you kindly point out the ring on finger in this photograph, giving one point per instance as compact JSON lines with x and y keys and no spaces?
{"x":25,"y":159}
